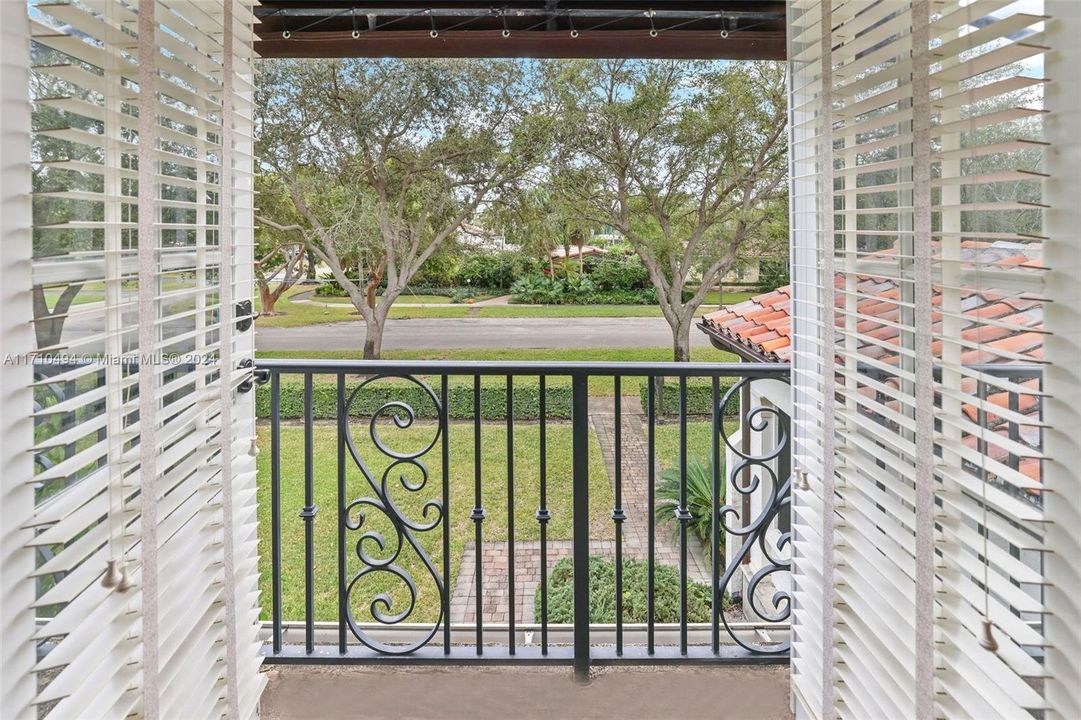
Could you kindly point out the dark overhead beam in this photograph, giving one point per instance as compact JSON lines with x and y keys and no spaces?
{"x":316,"y":12}
{"x":684,"y":44}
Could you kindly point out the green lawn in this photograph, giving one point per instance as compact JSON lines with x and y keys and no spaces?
{"x":493,"y":463}
{"x":699,"y":440}
{"x":598,"y":386}
{"x":327,"y":310}
{"x":293,"y":314}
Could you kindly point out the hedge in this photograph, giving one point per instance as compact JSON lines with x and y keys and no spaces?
{"x":602,"y":593}
{"x":699,"y":396}
{"x":374,"y":396}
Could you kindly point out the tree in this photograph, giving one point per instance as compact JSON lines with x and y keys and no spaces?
{"x":682,"y":158}
{"x":539,"y":217}
{"x":383,"y":160}
{"x":280,"y":250}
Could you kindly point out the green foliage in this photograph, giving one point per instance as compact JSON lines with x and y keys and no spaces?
{"x":329,"y":287}
{"x":575,"y":289}
{"x":579,"y":287}
{"x":461,"y":295}
{"x":772,"y":274}
{"x":618,"y":272}
{"x":699,"y":498}
{"x":460,"y":401}
{"x":495,"y":270}
{"x":699,"y":396}
{"x":602,"y":593}
{"x":440,"y":270}
{"x":537,"y":290}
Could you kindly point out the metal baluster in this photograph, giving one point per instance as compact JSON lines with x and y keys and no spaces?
{"x":276,"y":510}
{"x":444,"y":419}
{"x":717,"y":605}
{"x":683,"y":515}
{"x":477,"y":516}
{"x":618,"y":514}
{"x":543,"y":516}
{"x":580,"y":482}
{"x":651,"y":410}
{"x":307,"y":514}
{"x":343,"y":422}
{"x":510,"y":509}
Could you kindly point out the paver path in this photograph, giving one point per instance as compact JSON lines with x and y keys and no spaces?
{"x":635,"y":477}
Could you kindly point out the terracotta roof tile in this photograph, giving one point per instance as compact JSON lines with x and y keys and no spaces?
{"x":762,"y":326}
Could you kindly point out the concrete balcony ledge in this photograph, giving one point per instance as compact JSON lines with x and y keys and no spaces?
{"x":525,"y":692}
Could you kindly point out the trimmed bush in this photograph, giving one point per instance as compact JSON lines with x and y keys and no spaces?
{"x":460,"y":401}
{"x":602,"y":593}
{"x":699,"y":396}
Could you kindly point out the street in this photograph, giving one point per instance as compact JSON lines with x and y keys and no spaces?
{"x":493,"y":333}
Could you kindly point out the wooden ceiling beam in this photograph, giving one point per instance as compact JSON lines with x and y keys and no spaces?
{"x":676,"y":44}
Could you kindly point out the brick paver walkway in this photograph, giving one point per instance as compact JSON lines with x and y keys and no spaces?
{"x":495,"y":555}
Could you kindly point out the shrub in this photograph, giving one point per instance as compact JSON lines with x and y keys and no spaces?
{"x":602,"y":593}
{"x":699,"y":499}
{"x":461,"y":295}
{"x":578,"y":288}
{"x":575,"y":290}
{"x":537,"y":289}
{"x":441,"y":269}
{"x":699,"y":396}
{"x":495,"y":269}
{"x":620,"y":272}
{"x":460,"y":401}
{"x":329,"y":287}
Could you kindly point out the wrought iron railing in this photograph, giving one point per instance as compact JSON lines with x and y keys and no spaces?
{"x":398,"y":536}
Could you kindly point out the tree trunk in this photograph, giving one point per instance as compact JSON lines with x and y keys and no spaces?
{"x":373,"y":337}
{"x":267,"y":300}
{"x":681,"y":341}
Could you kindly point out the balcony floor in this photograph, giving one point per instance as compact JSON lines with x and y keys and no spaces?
{"x":525,"y":692}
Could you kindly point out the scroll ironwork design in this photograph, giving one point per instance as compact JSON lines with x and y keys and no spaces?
{"x":378,"y":554}
{"x":755,"y":530}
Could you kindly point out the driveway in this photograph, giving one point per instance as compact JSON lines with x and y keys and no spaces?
{"x":466,"y":333}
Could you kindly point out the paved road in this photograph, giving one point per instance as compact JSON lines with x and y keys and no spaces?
{"x":457,"y":333}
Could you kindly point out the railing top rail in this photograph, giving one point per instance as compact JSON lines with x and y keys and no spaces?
{"x":487,"y":367}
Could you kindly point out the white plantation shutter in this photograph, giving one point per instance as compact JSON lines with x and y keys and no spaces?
{"x":142,"y":156}
{"x":934,"y":273}
{"x":810,"y":175}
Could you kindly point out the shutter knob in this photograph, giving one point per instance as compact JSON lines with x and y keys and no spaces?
{"x":112,"y":576}
{"x":125,"y":582}
{"x":253,"y":449}
{"x":987,"y":639}
{"x":801,"y":475}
